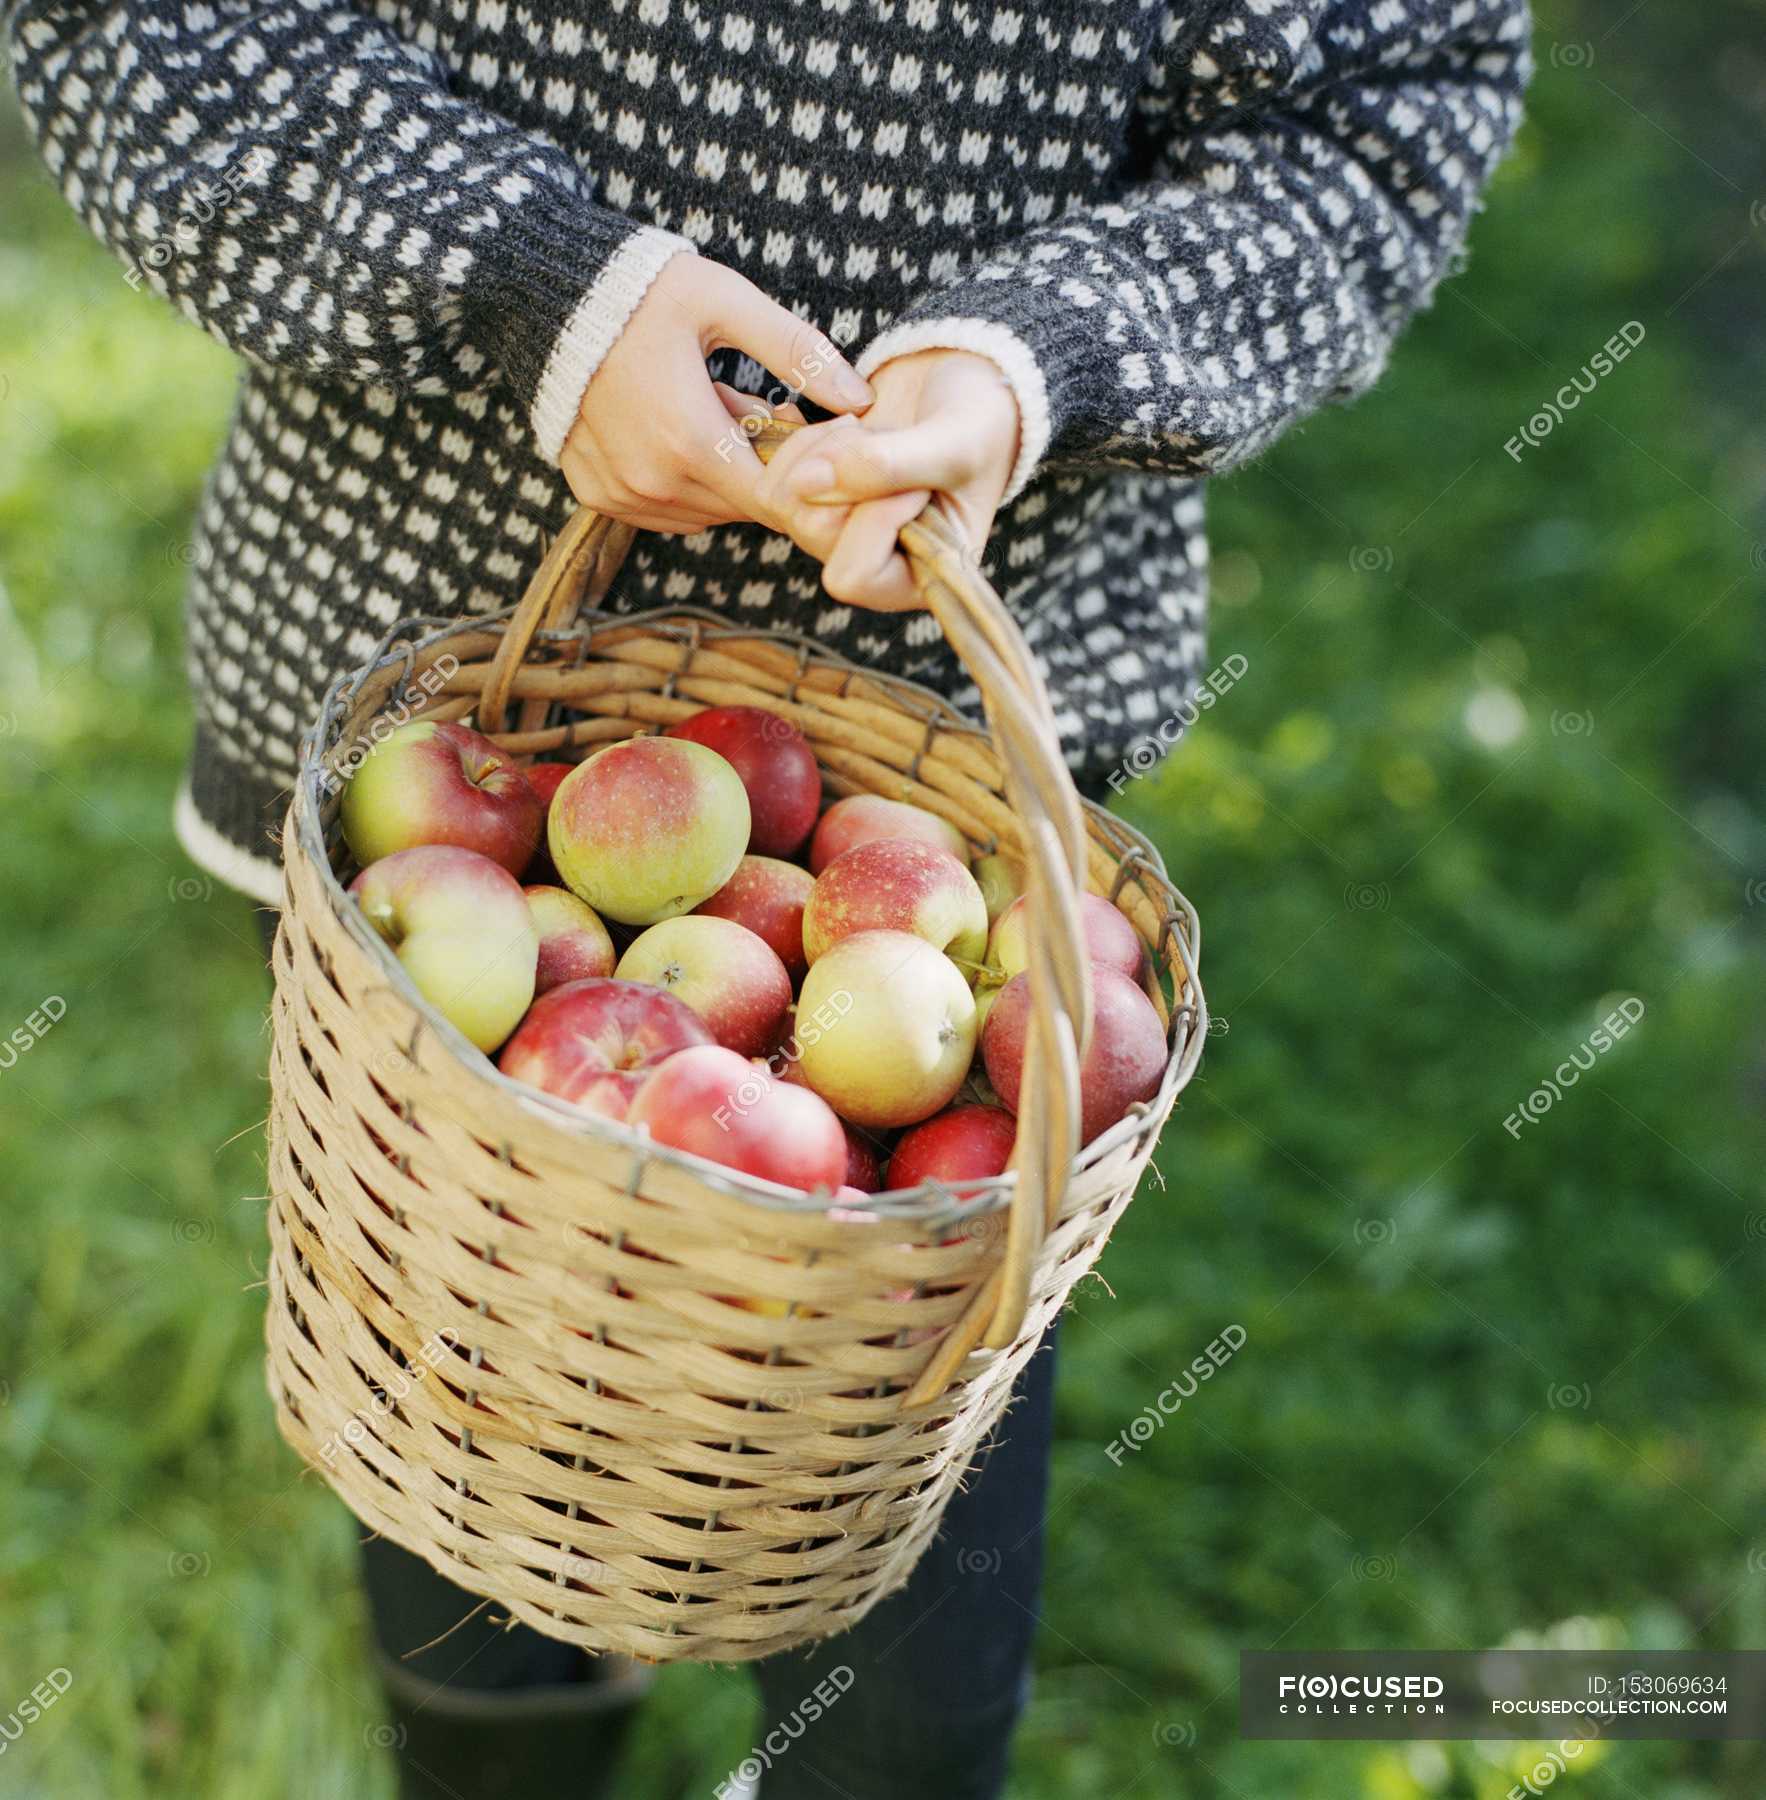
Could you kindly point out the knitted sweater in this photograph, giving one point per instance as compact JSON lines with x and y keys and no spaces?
{"x":422,"y":223}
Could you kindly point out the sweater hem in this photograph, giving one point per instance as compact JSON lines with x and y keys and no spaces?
{"x":259,"y":877}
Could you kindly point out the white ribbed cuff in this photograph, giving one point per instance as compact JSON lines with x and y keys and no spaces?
{"x":593,"y":329}
{"x":1000,"y":345}
{"x":258,"y":876}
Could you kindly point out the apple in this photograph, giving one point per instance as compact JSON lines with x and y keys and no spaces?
{"x":573,"y":942}
{"x":729,"y":977}
{"x":1124,"y":1064}
{"x":862,"y":1169}
{"x":965,"y":1144}
{"x":717,"y":1104}
{"x":768,"y":896}
{"x":894,"y":1028}
{"x":1109,"y":939}
{"x":861,"y":817}
{"x":459,"y":924}
{"x":1001,"y":880}
{"x":895,"y":884}
{"x":544,"y":778}
{"x":776,"y":766}
{"x":644,"y":830}
{"x":441,"y":784}
{"x":596,"y":1042}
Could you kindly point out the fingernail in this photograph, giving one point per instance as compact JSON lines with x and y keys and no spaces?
{"x":814,"y":480}
{"x":852,"y":387}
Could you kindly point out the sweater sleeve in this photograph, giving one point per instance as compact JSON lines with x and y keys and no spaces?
{"x":299,"y":180}
{"x":1312,"y":166}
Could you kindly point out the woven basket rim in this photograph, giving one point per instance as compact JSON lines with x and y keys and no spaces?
{"x":932,"y":1205}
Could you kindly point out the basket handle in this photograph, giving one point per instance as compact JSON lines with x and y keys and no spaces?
{"x":577,"y":571}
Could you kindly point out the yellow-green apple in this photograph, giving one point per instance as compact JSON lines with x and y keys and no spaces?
{"x":1109,"y":939}
{"x":573,"y":942}
{"x":1123,"y":1065}
{"x":645,"y":830}
{"x":716,"y":1104}
{"x":545,"y":778}
{"x":776,"y":765}
{"x":902,"y":1028}
{"x":768,"y":896}
{"x":441,"y":784}
{"x":859,"y":818}
{"x":596,"y":1042}
{"x":895,"y":884}
{"x":728,"y":975}
{"x":1001,"y":880}
{"x":459,"y":923}
{"x":964,"y":1144}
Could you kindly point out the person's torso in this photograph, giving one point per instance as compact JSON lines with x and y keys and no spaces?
{"x":843,"y":154}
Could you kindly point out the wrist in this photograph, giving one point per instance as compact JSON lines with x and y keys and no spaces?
{"x":1007,"y":354}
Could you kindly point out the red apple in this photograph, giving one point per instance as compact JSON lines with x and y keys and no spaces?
{"x":545,"y":778}
{"x":460,"y":925}
{"x":573,"y":942}
{"x":1124,"y":1064}
{"x":768,"y":896}
{"x":441,"y":784}
{"x":895,"y":884}
{"x":862,"y":1169}
{"x":1109,"y":939}
{"x":716,"y":1104}
{"x":722,"y":970}
{"x":965,"y":1144}
{"x":644,"y":830}
{"x":886,"y":1026}
{"x":596,"y":1042}
{"x":860,"y":818}
{"x":776,"y":765}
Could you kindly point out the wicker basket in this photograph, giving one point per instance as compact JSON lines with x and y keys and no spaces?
{"x":501,"y":1329}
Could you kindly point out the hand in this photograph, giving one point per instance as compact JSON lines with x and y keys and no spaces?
{"x":655,"y":442}
{"x":944,"y":421}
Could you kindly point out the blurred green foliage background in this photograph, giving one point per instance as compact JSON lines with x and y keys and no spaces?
{"x":1494,"y":765}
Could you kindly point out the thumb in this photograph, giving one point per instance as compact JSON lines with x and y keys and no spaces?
{"x":787,"y":346}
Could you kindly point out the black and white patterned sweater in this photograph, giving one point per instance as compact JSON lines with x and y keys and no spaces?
{"x":422,"y":223}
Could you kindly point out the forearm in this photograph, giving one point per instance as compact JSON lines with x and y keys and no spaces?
{"x":302,"y":184}
{"x":1270,"y":265}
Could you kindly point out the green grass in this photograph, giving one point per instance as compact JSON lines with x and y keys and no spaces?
{"x":1493,"y":765}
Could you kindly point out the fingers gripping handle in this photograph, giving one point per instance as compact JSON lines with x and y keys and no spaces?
{"x":577,"y":571}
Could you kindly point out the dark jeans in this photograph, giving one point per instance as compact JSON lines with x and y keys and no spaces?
{"x":938,"y":1671}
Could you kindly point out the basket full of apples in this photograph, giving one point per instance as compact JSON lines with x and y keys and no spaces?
{"x":701,"y":1069}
